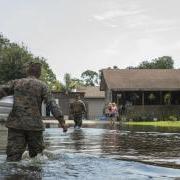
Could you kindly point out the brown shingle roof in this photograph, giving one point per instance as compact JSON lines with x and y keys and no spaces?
{"x":141,"y":79}
{"x":92,"y":92}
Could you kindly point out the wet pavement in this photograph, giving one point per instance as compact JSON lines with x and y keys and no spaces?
{"x":101,"y":152}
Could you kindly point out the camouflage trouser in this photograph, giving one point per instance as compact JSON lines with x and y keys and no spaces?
{"x":18,"y":140}
{"x":78,"y":120}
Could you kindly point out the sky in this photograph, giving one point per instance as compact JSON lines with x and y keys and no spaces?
{"x":76,"y":35}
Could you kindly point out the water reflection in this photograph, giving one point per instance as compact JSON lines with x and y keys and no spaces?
{"x":150,"y":147}
{"x":136,"y":128}
{"x":78,"y":138}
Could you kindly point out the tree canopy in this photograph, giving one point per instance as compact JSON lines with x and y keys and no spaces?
{"x":70,"y":83}
{"x":90,"y":78}
{"x":164,"y":62}
{"x":14,"y":57}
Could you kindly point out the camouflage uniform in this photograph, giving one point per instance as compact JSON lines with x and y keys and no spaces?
{"x":77,"y":109}
{"x":25,"y":126}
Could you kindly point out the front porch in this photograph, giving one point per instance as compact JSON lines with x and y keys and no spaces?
{"x":148,"y":105}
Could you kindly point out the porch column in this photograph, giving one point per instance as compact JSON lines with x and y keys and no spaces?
{"x":143,"y":98}
{"x":124,"y":98}
{"x":161,"y":100}
{"x":108,"y":94}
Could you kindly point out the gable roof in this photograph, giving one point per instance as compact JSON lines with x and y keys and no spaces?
{"x":140,"y":79}
{"x":92,"y":92}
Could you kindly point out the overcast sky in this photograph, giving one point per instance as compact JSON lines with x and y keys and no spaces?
{"x":76,"y":35}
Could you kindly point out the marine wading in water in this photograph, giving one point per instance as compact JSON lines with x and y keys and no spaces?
{"x":25,"y":126}
{"x":77,"y":109}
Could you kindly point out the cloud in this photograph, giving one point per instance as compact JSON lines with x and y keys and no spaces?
{"x":134,"y":17}
{"x":114,"y":14}
{"x":145,"y":23}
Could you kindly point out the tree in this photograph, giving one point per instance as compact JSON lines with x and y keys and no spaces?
{"x":131,"y":67}
{"x":151,"y":97}
{"x":164,"y":62}
{"x":167,"y":98}
{"x":57,"y":86}
{"x":47,"y":74}
{"x":13,"y":61}
{"x":77,"y":82}
{"x":90,"y":78}
{"x":69,"y":84}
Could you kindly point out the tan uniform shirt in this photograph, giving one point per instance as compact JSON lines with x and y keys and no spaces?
{"x":29,"y":93}
{"x":77,"y":107}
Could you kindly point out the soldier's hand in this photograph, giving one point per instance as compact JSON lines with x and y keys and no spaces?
{"x":65,"y":128}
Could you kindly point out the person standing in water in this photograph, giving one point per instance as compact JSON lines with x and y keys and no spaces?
{"x":77,"y":109}
{"x":25,"y":125}
{"x":114,"y":113}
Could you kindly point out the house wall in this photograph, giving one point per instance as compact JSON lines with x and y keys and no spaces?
{"x":64,"y":101}
{"x":95,"y":107}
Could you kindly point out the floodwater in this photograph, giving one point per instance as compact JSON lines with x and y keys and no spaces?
{"x":101,"y":152}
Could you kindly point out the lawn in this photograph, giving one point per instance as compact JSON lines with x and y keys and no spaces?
{"x":156,"y":123}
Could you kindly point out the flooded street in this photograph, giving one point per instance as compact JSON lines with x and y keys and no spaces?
{"x":104,"y":152}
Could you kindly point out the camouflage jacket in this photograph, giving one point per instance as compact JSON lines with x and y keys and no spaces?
{"x":77,"y":107}
{"x":29,"y":93}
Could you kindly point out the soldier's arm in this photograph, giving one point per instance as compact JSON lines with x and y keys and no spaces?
{"x":55,"y":109}
{"x":84,"y":107}
{"x":7,"y":89}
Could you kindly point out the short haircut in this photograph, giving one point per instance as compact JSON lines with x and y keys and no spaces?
{"x":34,"y":68}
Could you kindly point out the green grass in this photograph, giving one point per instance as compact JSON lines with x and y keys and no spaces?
{"x":156,"y":123}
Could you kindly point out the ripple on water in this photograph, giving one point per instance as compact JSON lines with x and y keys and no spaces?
{"x":81,"y":166}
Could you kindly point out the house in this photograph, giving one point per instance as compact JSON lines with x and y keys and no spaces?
{"x":63,"y":100}
{"x":94,"y":100}
{"x":143,"y":93}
